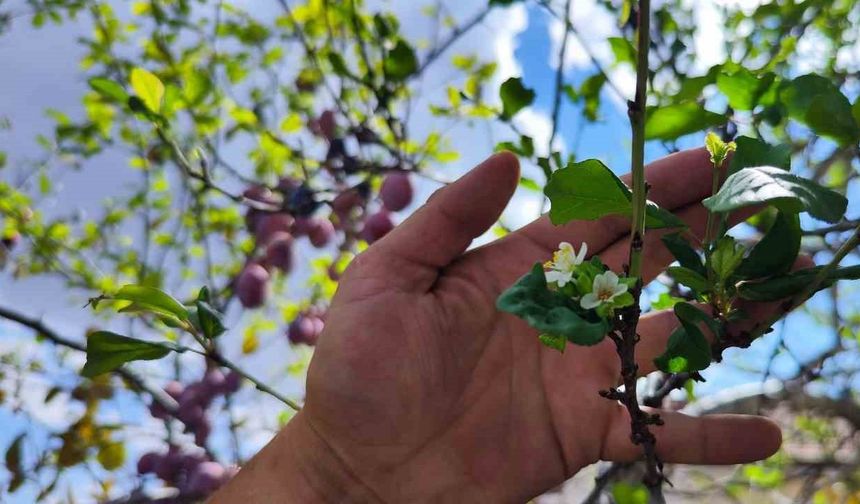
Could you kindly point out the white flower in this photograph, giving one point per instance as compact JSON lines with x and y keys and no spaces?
{"x":564,"y":262}
{"x":604,"y":290}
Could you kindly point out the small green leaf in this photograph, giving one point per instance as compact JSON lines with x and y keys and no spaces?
{"x":515,"y":96}
{"x":726,"y":257}
{"x":665,"y":301}
{"x":626,"y":493}
{"x":817,"y":102}
{"x":690,"y":278}
{"x":553,"y":341}
{"x":752,"y":152}
{"x":855,"y":110}
{"x":830,"y":116}
{"x":152,"y":299}
{"x":589,"y":94}
{"x":623,"y":50}
{"x":777,"y":250}
{"x":743,"y":88}
{"x":791,"y":284}
{"x":692,"y":314}
{"x":673,"y":121}
{"x":768,"y":184}
{"x":718,"y":149}
{"x":687,"y":348}
{"x":148,"y":88}
{"x":107,"y":351}
{"x":210,"y":320}
{"x":338,"y":64}
{"x":684,"y":253}
{"x":401,"y":61}
{"x":588,"y":190}
{"x":550,"y":312}
{"x":13,"y":464}
{"x":108,"y":89}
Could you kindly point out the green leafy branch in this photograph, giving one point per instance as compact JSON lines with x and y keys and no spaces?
{"x":107,"y":351}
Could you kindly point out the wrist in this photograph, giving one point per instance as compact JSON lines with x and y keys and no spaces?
{"x":298,"y":465}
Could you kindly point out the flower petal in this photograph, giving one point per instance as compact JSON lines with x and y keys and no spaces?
{"x":589,"y":301}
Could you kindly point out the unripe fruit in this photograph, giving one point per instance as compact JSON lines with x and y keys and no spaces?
{"x":270,"y":224}
{"x":376,"y":226}
{"x":252,"y":286}
{"x":321,"y":232}
{"x":147,"y":462}
{"x":205,"y":479}
{"x":279,"y":251}
{"x":396,"y":191}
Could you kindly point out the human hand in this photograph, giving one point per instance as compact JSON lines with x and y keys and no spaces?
{"x":420,"y":390}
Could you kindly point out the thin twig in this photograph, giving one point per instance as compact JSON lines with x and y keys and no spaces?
{"x":137,"y":382}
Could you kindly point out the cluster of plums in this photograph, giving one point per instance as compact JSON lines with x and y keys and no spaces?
{"x":195,"y":398}
{"x":193,"y":474}
{"x":278,"y":216}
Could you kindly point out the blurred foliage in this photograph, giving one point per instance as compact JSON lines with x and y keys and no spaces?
{"x":266,"y":151}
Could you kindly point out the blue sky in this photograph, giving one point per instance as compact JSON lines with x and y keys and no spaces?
{"x":48,"y":77}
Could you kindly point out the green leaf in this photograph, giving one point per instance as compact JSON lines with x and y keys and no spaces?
{"x":743,"y":88}
{"x":752,"y":152}
{"x":673,"y":121}
{"x":401,"y":61}
{"x":684,"y":253}
{"x":588,"y":190}
{"x":210,"y":320}
{"x":855,"y":110}
{"x":515,"y":96}
{"x":817,"y":102}
{"x":550,"y":312}
{"x":108,"y":89}
{"x":687,"y":348}
{"x":623,"y":50}
{"x":338,"y":64}
{"x":791,"y":284}
{"x":626,"y":493}
{"x":718,"y":149}
{"x":726,"y":257}
{"x":830,"y":116}
{"x":13,"y":464}
{"x":107,"y":351}
{"x":690,"y":278}
{"x":768,"y":184}
{"x":152,"y":299}
{"x":589,"y":94}
{"x":692,"y":314}
{"x":148,"y":88}
{"x":665,"y":301}
{"x":553,"y":341}
{"x":776,"y":252}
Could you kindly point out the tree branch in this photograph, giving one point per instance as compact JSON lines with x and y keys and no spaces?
{"x":136,"y":381}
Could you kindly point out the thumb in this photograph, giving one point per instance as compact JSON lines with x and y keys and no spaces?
{"x":442,"y":229}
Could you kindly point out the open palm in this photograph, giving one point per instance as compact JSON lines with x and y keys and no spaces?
{"x":422,"y":391}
